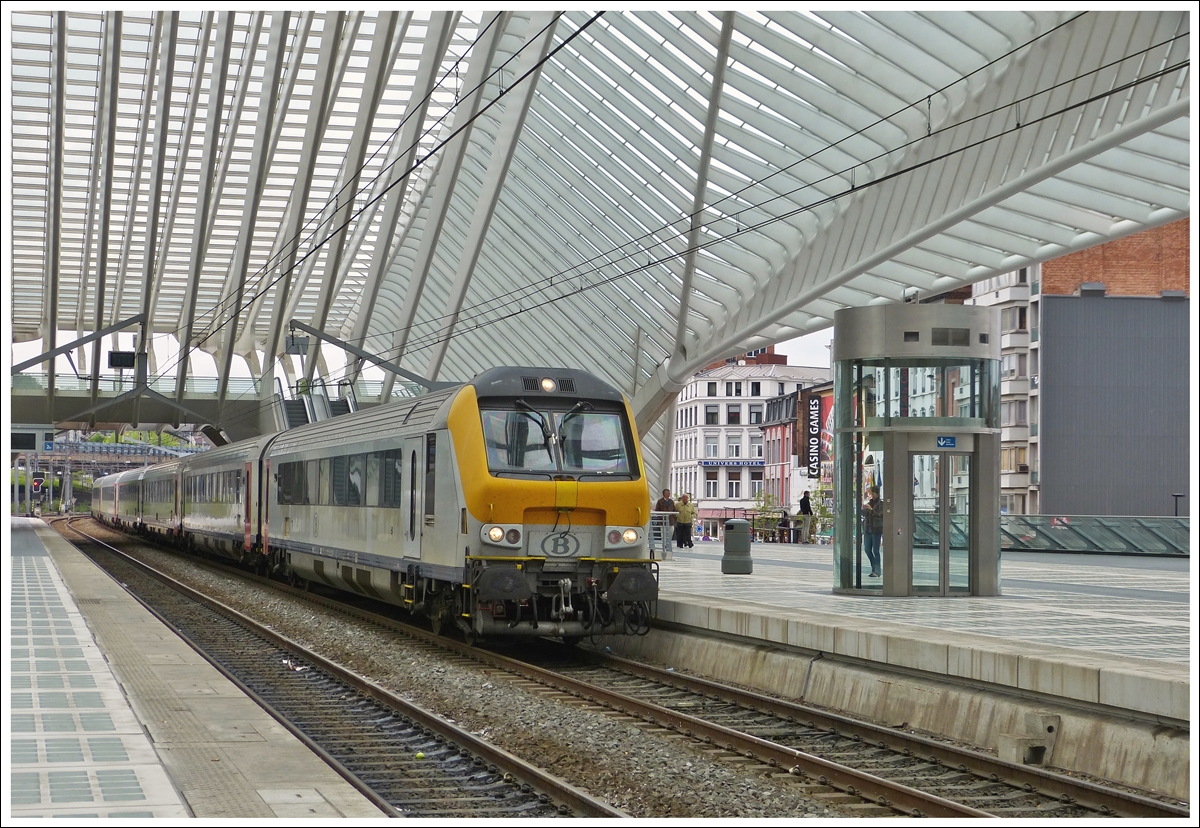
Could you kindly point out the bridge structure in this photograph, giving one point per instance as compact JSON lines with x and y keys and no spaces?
{"x":635,"y":193}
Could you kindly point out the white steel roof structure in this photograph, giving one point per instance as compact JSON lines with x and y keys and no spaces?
{"x":634,"y":193}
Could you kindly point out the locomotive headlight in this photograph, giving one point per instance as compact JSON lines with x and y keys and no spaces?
{"x":496,"y":534}
{"x":513,"y":536}
{"x":548,"y":385}
{"x":630,"y":535}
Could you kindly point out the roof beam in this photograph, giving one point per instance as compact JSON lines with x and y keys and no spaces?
{"x":112,"y":77}
{"x":259,"y":164}
{"x":58,"y":86}
{"x":697,"y":216}
{"x":377,"y":71}
{"x":540,"y":32}
{"x":437,"y":40}
{"x":76,"y":343}
{"x":314,"y":131}
{"x":205,"y":202}
{"x":135,"y":183}
{"x":464,"y":115}
{"x":1064,"y":162}
{"x":151,"y":249}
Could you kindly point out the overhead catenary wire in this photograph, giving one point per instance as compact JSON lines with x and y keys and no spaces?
{"x":826,"y":200}
{"x":531,"y":290}
{"x":253,"y":296}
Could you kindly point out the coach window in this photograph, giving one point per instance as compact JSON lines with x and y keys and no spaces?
{"x":355,"y":469}
{"x":338,"y":477}
{"x":430,"y":462}
{"x":324,"y":482}
{"x":312,"y":479}
{"x":372,"y":490}
{"x":389,"y":479}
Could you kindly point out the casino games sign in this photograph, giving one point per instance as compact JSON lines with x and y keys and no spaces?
{"x":811,"y":451}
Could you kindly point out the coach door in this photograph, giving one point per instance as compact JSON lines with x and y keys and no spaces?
{"x":412,"y":500}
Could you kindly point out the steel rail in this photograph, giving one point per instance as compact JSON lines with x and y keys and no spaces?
{"x":1068,"y":789}
{"x":1081,"y":792}
{"x":582,"y":803}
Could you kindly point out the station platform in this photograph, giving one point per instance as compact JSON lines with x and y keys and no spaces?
{"x":1099,"y":644}
{"x":1112,"y":630}
{"x":113,"y":715}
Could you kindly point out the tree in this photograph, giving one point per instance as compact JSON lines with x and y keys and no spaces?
{"x":766,"y":512}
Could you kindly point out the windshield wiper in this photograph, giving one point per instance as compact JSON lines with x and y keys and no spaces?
{"x":582,"y":405}
{"x":548,"y":436}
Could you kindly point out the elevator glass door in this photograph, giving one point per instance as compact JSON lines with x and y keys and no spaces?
{"x":941,"y":530}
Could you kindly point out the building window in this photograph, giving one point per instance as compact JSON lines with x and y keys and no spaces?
{"x":756,"y":446}
{"x":712,"y":414}
{"x":1013,"y":366}
{"x":1014,"y":413}
{"x":756,"y":414}
{"x":1012,"y":319}
{"x":733,"y":415}
{"x":756,"y":389}
{"x":711,"y":445}
{"x":734,"y":485}
{"x":756,"y":483}
{"x":712,"y":389}
{"x":711,"y":484}
{"x":733,"y":389}
{"x":734,"y":446}
{"x":780,"y":394}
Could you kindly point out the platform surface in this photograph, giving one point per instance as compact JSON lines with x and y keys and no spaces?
{"x":112,"y":715}
{"x":1111,"y":630}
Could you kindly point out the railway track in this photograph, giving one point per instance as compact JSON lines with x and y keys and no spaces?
{"x":855,"y":765}
{"x":407,"y":760}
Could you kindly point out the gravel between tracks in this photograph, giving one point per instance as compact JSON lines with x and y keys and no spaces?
{"x":645,"y":775}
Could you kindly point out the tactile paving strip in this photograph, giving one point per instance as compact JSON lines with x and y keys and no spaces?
{"x":77,"y":750}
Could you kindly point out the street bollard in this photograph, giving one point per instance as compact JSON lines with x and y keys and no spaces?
{"x":737,"y":560}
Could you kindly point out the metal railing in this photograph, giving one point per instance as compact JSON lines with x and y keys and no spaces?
{"x":662,"y":535}
{"x":121,"y":449}
{"x":195,"y":386}
{"x":1096,"y":534}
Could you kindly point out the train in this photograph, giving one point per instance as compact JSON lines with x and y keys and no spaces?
{"x":515,"y":504}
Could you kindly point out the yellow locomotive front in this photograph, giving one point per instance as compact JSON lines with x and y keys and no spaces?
{"x":557,"y":506}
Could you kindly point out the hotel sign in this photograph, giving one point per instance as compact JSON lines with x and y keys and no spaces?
{"x":731,"y":462}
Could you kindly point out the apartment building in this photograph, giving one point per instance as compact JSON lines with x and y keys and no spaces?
{"x":720,"y":450}
{"x":1094,"y":378}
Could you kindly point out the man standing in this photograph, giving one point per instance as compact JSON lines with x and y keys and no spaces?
{"x":665,"y":504}
{"x":806,"y":513}
{"x":687,"y":516}
{"x":872,"y":512}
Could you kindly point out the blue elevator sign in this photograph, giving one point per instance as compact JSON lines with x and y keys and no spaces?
{"x":947,"y":442}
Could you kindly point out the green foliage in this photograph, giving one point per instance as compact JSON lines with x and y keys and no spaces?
{"x":767,"y":510}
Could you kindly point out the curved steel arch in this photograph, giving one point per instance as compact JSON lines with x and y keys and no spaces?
{"x":837,"y":158}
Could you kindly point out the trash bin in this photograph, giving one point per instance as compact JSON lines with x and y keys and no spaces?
{"x":737,"y":560}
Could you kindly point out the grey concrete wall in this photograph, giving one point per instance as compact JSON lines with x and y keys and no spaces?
{"x":1114,"y":380}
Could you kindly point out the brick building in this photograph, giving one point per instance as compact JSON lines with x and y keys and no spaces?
{"x":1095,"y":375}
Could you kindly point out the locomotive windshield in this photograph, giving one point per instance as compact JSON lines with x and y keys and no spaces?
{"x":576,"y":441}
